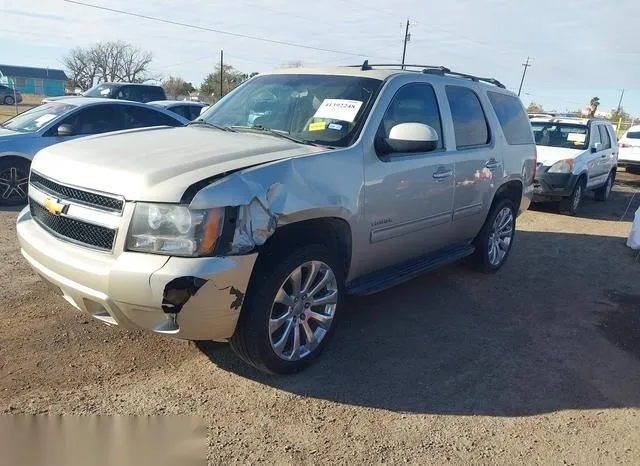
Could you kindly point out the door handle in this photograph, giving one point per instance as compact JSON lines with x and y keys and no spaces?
{"x":492,"y":164}
{"x":441,"y":174}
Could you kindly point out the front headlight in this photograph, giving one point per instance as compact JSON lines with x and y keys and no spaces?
{"x":563,"y":166}
{"x":174,"y":230}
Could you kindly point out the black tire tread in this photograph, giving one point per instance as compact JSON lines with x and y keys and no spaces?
{"x":479,"y":260}
{"x":272,"y":264}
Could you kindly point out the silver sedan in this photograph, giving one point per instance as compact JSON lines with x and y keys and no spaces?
{"x":24,"y":135}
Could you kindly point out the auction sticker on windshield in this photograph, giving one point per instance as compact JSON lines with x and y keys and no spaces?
{"x":576,"y":137}
{"x":338,"y":109}
{"x":44,"y":119}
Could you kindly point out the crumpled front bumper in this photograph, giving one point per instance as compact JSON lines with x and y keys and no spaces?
{"x":553,"y":186}
{"x":131,"y":289}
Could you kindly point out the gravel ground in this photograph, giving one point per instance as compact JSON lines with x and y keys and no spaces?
{"x":537,"y":364}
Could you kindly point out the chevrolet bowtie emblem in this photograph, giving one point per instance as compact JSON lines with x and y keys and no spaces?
{"x":55,"y":207}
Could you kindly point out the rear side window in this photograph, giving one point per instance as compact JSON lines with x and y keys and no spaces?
{"x":633,"y":135}
{"x":140,"y":117}
{"x":469,"y":122}
{"x":514,"y":122}
{"x":604,"y":137}
{"x":182,"y":110}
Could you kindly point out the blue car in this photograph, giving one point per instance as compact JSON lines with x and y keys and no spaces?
{"x":24,"y":135}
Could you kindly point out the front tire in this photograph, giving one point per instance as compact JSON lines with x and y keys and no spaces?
{"x":14,"y":181}
{"x":604,"y":192}
{"x":494,"y":242}
{"x":9,"y":100}
{"x":290,"y":310}
{"x":571,"y":205}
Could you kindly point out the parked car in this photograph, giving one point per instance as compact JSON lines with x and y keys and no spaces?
{"x":357,"y":179}
{"x":24,"y":135}
{"x":185,"y":108}
{"x":123,"y":91}
{"x":574,"y":155}
{"x":629,"y":144}
{"x":8,"y":96}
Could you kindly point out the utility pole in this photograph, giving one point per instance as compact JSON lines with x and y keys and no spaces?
{"x":407,"y":38}
{"x":524,"y":73}
{"x":620,"y":102}
{"x":221,"y":72}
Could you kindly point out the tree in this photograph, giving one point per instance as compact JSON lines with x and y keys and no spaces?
{"x":112,"y":61}
{"x":616,"y":115}
{"x":232,"y":78}
{"x":176,"y":87}
{"x":593,"y":106}
{"x":535,"y":108}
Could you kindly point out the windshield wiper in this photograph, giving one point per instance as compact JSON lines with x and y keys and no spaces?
{"x":278,"y":134}
{"x":212,"y":125}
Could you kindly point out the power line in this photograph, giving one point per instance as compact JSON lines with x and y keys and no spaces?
{"x":524,"y":73}
{"x":217,"y":31}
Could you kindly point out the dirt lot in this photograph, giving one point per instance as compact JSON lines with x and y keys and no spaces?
{"x":9,"y":111}
{"x":537,"y":364}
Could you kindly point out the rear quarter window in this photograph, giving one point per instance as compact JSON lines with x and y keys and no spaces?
{"x":513,"y":120}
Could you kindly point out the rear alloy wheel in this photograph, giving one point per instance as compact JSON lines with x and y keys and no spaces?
{"x":9,"y":100}
{"x":571,"y":205}
{"x":604,"y":192}
{"x":14,"y":182}
{"x":494,"y":242}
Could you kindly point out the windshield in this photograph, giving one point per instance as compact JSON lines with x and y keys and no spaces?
{"x":566,"y":135}
{"x":99,"y":90}
{"x":318,"y":109}
{"x":34,"y":119}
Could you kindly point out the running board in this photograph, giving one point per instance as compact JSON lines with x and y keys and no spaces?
{"x":394,"y":275}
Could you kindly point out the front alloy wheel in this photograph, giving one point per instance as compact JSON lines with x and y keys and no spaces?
{"x":303,"y":309}
{"x":291,"y":306}
{"x":14,"y":183}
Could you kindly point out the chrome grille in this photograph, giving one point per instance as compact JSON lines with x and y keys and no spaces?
{"x":77,"y":231}
{"x":98,"y":201}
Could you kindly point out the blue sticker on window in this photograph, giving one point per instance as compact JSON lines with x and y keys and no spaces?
{"x":335,"y":126}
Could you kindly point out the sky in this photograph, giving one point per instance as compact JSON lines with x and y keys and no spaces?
{"x":579,"y":48}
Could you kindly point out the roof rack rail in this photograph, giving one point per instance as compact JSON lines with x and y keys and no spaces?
{"x":430,"y":69}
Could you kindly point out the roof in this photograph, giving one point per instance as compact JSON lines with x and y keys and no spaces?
{"x":80,"y":100}
{"x":167,"y":103}
{"x":384,"y":71}
{"x":569,"y":120}
{"x":30,"y":72}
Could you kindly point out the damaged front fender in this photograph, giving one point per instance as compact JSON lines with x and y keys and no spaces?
{"x":284,"y":192}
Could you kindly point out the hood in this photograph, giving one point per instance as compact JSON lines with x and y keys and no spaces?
{"x":549,"y":155}
{"x":159,"y":164}
{"x":10,"y":133}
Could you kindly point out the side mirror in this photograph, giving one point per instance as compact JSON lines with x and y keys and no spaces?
{"x":66,"y":130}
{"x":410,"y":137}
{"x":596,"y":147}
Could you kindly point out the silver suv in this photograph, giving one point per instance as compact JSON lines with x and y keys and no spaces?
{"x":250,"y":224}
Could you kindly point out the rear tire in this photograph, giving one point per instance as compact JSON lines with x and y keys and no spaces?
{"x":9,"y":100}
{"x":604,"y":192}
{"x":274,"y":315}
{"x":571,"y":205}
{"x":14,"y":181}
{"x":495,"y":240}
